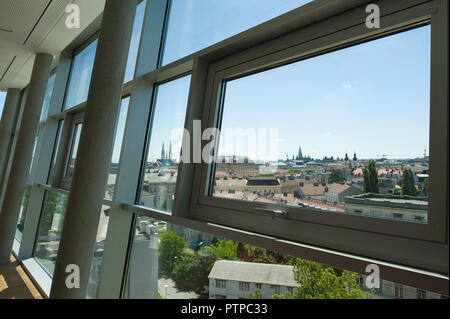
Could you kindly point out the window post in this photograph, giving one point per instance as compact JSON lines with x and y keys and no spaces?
{"x":95,"y":148}
{"x":6,"y":130}
{"x":9,"y":213}
{"x":43,"y":160}
{"x":120,"y":223}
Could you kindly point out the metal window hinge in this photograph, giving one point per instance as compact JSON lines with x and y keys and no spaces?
{"x":275,"y":212}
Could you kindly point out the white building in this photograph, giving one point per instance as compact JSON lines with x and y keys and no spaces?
{"x":237,"y":279}
{"x":409,"y":208}
{"x":390,"y":290}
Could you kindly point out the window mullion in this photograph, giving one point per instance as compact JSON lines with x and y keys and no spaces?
{"x":185,"y":180}
{"x":120,"y":223}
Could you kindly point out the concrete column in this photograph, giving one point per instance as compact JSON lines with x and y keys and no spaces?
{"x":21,"y":162}
{"x":7,"y":126}
{"x":95,"y":149}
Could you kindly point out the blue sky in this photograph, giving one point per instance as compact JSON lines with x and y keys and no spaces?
{"x":170,"y":113}
{"x":120,"y":129}
{"x":371,"y":99}
{"x":196,"y":24}
{"x":209,"y":21}
{"x":84,"y":62}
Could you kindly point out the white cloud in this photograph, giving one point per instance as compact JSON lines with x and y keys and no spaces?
{"x":346,"y":85}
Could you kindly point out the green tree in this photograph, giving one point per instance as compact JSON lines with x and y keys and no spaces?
{"x":408,"y":187}
{"x":192,"y":269}
{"x":371,"y":178}
{"x":317,"y":281}
{"x":240,"y":250}
{"x":260,"y":255}
{"x":55,"y":203}
{"x":425,"y":188}
{"x":171,"y":245}
{"x":224,"y":249}
{"x":256,"y":295}
{"x":336,"y":177}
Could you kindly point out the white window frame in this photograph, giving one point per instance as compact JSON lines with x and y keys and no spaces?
{"x":276,"y":288}
{"x":399,"y":291}
{"x":421,"y":294}
{"x":244,"y":286}
{"x":423,"y":246}
{"x":222,"y":284}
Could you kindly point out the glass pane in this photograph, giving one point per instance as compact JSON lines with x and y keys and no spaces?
{"x":74,"y":150}
{"x":168,"y":261}
{"x":83,"y":63}
{"x":56,"y":147}
{"x":23,"y":212}
{"x":48,"y":96}
{"x":2,"y":102}
{"x":34,"y":152}
{"x":50,"y":227}
{"x":196,"y":24}
{"x":347,"y":131}
{"x":118,"y":139}
{"x":94,"y":276}
{"x":80,"y":76}
{"x":161,"y":169}
{"x":135,"y":39}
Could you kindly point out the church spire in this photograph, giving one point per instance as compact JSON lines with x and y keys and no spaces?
{"x":170,"y":151}
{"x":163,"y":153}
{"x":300,"y":155}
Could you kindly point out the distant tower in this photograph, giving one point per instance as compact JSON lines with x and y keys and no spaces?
{"x":346,"y":157}
{"x":300,"y":155}
{"x":170,"y":150}
{"x":355,"y":158}
{"x":163,"y":153}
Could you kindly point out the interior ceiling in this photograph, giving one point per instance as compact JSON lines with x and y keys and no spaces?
{"x":31,"y":26}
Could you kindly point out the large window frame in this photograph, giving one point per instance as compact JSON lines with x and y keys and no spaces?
{"x":423,"y":246}
{"x":313,"y":29}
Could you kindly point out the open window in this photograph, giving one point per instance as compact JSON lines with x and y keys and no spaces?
{"x":71,"y":147}
{"x":351,"y":119}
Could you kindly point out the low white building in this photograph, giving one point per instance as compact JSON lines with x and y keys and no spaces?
{"x":391,"y":290}
{"x":408,"y":208}
{"x":237,"y":279}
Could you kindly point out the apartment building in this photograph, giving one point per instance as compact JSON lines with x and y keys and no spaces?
{"x":236,"y":280}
